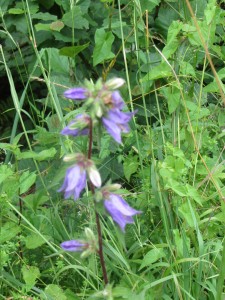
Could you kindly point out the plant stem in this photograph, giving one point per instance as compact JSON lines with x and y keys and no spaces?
{"x":221,"y":277}
{"x":99,"y":231}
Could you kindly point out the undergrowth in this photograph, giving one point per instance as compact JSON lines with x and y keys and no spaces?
{"x":171,"y":164}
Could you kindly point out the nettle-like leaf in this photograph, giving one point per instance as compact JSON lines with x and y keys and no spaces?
{"x":55,"y":292}
{"x":103,"y":45}
{"x":30,"y":275}
{"x":72,"y":51}
{"x":75,"y":19}
{"x":27,"y":179}
{"x":130,"y":166}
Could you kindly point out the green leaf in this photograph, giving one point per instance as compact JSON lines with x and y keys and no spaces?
{"x":30,"y":275}
{"x":172,"y":96}
{"x":27,"y":179}
{"x":34,"y":241}
{"x":187,"y":69}
{"x":5,"y":172}
{"x":44,"y":16}
{"x":160,"y":71}
{"x":193,"y":194}
{"x":16,"y":11}
{"x":149,"y":5}
{"x":8,"y":231}
{"x":43,"y":155}
{"x":185,"y":212}
{"x":75,"y":19}
{"x":57,"y":25}
{"x":210,"y":11}
{"x":130,"y":166}
{"x":103,"y":45}
{"x":55,"y":291}
{"x":151,"y":257}
{"x":73,"y":50}
{"x":172,"y":41}
{"x":41,"y":26}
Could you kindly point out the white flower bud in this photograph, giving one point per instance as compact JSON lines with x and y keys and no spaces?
{"x":115,"y":83}
{"x":95,"y":176}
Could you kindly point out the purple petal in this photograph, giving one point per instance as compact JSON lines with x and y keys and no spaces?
{"x":119,"y":117}
{"x":76,"y":93}
{"x":120,"y":210}
{"x":113,"y":129}
{"x":74,"y":182}
{"x":73,"y":245}
{"x":117,"y":100}
{"x":79,"y":126}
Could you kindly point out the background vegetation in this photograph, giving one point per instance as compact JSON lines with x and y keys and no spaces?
{"x":171,"y":54}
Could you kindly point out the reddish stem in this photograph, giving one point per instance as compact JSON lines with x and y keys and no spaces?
{"x":99,"y":231}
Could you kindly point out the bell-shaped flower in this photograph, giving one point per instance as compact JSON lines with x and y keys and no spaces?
{"x":79,"y":126}
{"x":117,"y":100}
{"x":74,"y":182}
{"x":121,"y":212}
{"x":76,"y":176}
{"x":74,"y":246}
{"x":116,"y":122}
{"x":78,"y":93}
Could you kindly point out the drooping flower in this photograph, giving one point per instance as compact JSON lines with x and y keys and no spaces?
{"x":76,"y":176}
{"x":117,"y":100}
{"x":121,"y":212}
{"x":74,"y":182}
{"x":79,"y":126}
{"x":116,"y":122}
{"x":74,"y":246}
{"x":78,"y":93}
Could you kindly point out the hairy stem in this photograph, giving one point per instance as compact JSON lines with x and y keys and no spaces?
{"x":99,"y":231}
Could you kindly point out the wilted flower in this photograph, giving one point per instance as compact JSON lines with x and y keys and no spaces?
{"x":116,"y":122}
{"x":79,"y":126}
{"x":76,"y":176}
{"x":78,"y":93}
{"x":74,"y":246}
{"x":121,"y":212}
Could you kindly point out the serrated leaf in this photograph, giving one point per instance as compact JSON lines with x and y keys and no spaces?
{"x":8,"y":231}
{"x":172,"y":96}
{"x":16,"y":11}
{"x":43,"y":155}
{"x":130,"y":166}
{"x":5,"y":172}
{"x":151,"y":257}
{"x":73,"y":50}
{"x":27,"y":179}
{"x":75,"y":19}
{"x":103,"y":45}
{"x":57,"y":26}
{"x":41,"y":26}
{"x":34,"y":241}
{"x":30,"y":275}
{"x":44,"y":16}
{"x":160,"y":71}
{"x":55,"y":292}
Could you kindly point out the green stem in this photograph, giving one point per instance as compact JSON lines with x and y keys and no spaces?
{"x":221,"y":275}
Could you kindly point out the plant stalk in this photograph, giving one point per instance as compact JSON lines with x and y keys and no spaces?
{"x":99,"y":231}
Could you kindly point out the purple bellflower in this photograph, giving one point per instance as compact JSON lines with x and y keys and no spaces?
{"x":76,"y":176}
{"x":121,"y":212}
{"x":74,"y":246}
{"x":78,"y":93}
{"x":79,"y":126}
{"x":74,"y":182}
{"x":116,"y":122}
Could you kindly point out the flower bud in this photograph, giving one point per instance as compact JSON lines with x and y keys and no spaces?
{"x":115,"y":83}
{"x":94,"y":176}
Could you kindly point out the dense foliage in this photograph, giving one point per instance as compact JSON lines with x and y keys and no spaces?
{"x":170,"y":165}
